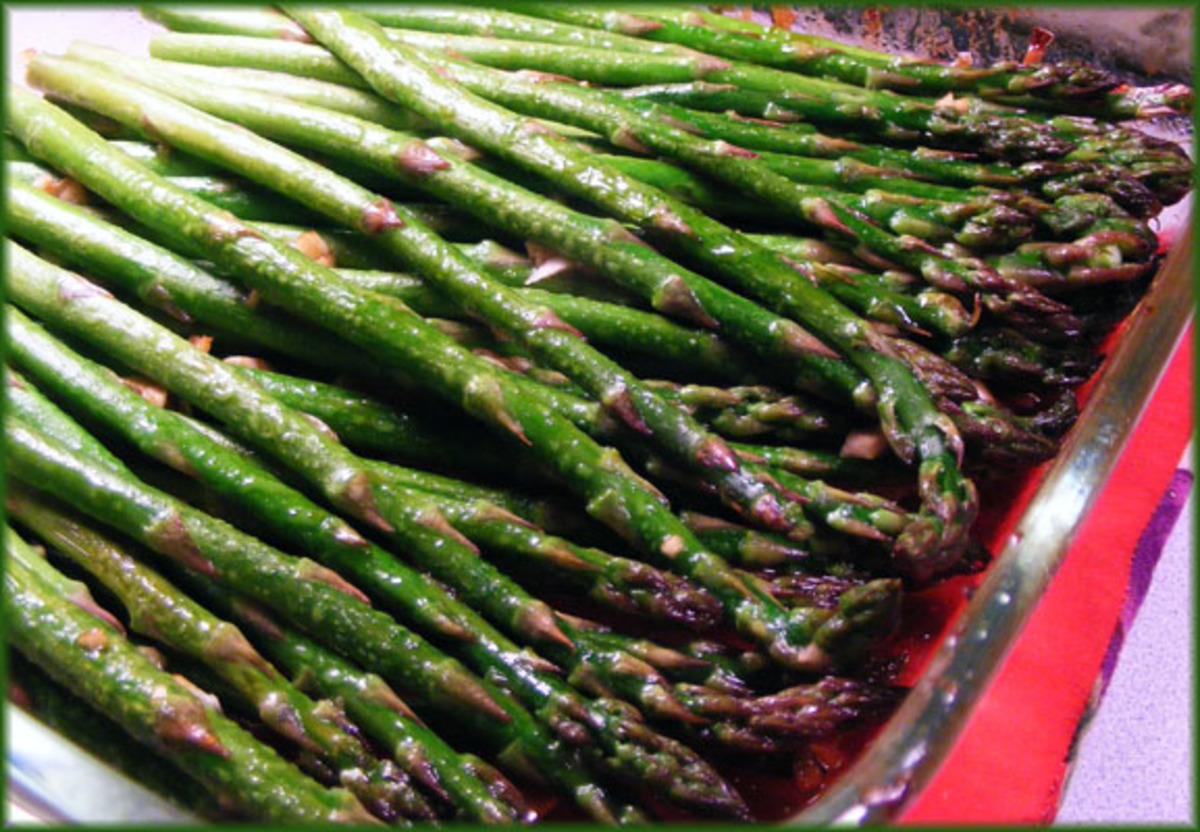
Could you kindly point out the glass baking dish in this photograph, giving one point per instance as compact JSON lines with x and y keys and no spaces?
{"x":57,"y":781}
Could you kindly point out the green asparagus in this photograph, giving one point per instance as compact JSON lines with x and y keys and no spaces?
{"x":159,"y":611}
{"x":157,"y":709}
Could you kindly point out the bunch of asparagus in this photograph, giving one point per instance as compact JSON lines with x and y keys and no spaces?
{"x":450,"y":397}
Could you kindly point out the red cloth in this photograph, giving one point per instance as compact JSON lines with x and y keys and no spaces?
{"x":1009,"y":765}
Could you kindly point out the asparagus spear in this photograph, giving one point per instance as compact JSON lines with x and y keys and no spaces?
{"x":621,"y":329}
{"x":628,"y":750}
{"x":158,"y":610}
{"x":374,"y":427}
{"x":944,"y":214}
{"x":175,"y":443}
{"x":812,"y":55}
{"x":916,"y":414}
{"x":266,"y":22}
{"x":161,"y":279}
{"x":388,"y":720}
{"x":555,"y":703}
{"x":33,"y":691}
{"x":569,"y":61}
{"x":237,"y":197}
{"x":156,"y":709}
{"x":617,"y":327}
{"x":845,"y":218}
{"x":614,"y":496}
{"x":756,"y":550}
{"x":546,"y":561}
{"x":716,"y":718}
{"x":932,"y":212}
{"x":373,"y":705}
{"x":1081,"y":172}
{"x":822,"y":101}
{"x":1152,"y":161}
{"x":1052,"y":180}
{"x":1008,"y":356}
{"x":547,"y":338}
{"x":667,"y":286}
{"x":428,"y":679}
{"x":1067,"y":87}
{"x":327,"y":595}
{"x":738,"y":719}
{"x":106,"y":248}
{"x":460,"y":19}
{"x":611,"y":116}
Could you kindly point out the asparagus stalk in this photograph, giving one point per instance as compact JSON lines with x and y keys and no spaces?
{"x":238,"y":197}
{"x":812,"y":55}
{"x":1061,"y":141}
{"x":374,"y":706}
{"x":846,"y":174}
{"x":612,"y":117}
{"x":156,"y":708}
{"x":256,"y":206}
{"x":613,"y":327}
{"x":422,"y":754}
{"x":556,"y":703}
{"x":374,"y":427}
{"x":266,"y":22}
{"x":537,"y":328}
{"x":785,"y":138}
{"x":1052,"y":180}
{"x":597,"y":319}
{"x":28,"y":403}
{"x":1007,"y":356}
{"x":188,"y":291}
{"x":1067,"y":87}
{"x":209,"y":548}
{"x":758,"y":725}
{"x":628,"y":750}
{"x":735,"y":717}
{"x":613,"y":495}
{"x":839,"y":467}
{"x":172,"y":440}
{"x":546,"y":561}
{"x":163,"y":280}
{"x":619,"y":328}
{"x":608,"y":248}
{"x":754,"y":550}
{"x":33,"y":691}
{"x":931,"y":212}
{"x":160,"y":611}
{"x":747,"y":411}
{"x":846,"y":218}
{"x":505,"y":24}
{"x":429,"y":679}
{"x":825,"y":102}
{"x":910,"y":418}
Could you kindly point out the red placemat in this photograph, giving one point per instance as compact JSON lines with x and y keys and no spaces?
{"x":1010,"y":763}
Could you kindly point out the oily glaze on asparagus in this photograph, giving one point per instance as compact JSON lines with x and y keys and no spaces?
{"x":158,"y":710}
{"x":526,"y":614}
{"x":158,"y":610}
{"x":615,"y":496}
{"x":459,"y":199}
